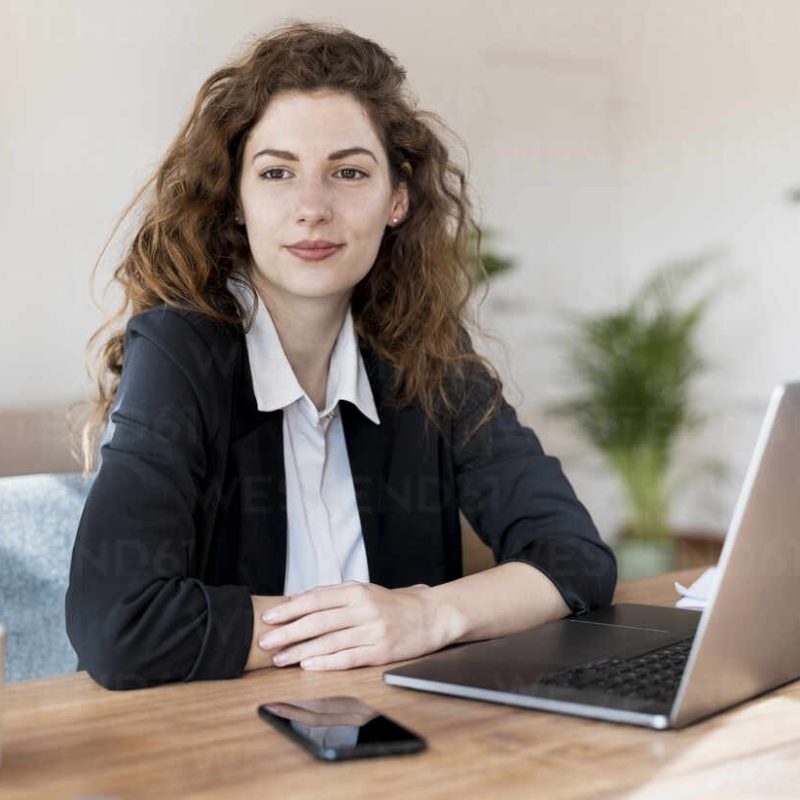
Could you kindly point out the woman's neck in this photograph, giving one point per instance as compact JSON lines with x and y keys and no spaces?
{"x":308,"y":328}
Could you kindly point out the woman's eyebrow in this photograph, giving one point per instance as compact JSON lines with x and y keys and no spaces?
{"x":285,"y":154}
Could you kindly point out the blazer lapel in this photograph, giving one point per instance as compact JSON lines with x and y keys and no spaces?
{"x":257,"y":450}
{"x":269,"y":449}
{"x":369,"y":451}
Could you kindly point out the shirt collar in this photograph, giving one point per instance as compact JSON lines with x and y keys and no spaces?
{"x":274,"y":383}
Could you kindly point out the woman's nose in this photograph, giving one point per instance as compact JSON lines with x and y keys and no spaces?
{"x":314,"y":202}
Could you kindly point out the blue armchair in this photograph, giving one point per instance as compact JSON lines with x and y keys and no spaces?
{"x":39,"y":517}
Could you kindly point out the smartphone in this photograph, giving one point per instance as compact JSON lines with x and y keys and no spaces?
{"x":338,"y":728}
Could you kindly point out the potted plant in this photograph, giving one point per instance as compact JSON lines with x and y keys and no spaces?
{"x":635,"y":367}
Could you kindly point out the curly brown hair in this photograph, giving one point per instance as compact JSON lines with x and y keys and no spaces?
{"x":411,"y":308}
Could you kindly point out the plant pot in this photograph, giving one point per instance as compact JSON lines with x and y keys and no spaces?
{"x":640,"y":558}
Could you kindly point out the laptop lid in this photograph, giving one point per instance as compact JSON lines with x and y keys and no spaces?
{"x":748,"y":639}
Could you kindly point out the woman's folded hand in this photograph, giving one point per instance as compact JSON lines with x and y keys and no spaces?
{"x":352,"y":624}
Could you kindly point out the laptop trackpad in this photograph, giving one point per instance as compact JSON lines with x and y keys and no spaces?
{"x":522,"y":658}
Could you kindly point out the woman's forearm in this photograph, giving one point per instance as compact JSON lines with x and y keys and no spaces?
{"x":496,"y":602}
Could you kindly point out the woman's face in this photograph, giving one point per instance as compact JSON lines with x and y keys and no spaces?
{"x":314,"y":169}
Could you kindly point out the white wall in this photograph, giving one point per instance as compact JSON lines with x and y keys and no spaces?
{"x":603,"y":137}
{"x":709,"y":133}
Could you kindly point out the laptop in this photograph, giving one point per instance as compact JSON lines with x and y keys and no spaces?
{"x":663,"y":667}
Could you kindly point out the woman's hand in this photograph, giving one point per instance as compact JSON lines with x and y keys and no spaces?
{"x":353,"y":624}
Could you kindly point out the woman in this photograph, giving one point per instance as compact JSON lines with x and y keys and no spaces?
{"x":297,"y":412}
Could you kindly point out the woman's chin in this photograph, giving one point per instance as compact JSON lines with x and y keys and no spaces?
{"x":317,"y":289}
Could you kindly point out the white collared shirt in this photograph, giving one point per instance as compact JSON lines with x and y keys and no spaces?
{"x":324,"y":543}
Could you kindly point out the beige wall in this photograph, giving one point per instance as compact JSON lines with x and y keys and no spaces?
{"x":39,"y":440}
{"x":603,"y":136}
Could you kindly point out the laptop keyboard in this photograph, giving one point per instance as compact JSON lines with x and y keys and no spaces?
{"x":654,"y":675}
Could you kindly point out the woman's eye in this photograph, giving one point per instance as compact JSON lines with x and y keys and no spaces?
{"x":271,"y":170}
{"x":353,"y":171}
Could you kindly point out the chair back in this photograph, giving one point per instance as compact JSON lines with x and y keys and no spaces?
{"x":39,"y":517}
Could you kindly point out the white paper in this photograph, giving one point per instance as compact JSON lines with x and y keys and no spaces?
{"x":696,"y":596}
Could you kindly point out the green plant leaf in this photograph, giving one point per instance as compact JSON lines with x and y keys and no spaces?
{"x":634,"y":368}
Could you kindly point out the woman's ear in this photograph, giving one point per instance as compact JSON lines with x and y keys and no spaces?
{"x":400,"y":202}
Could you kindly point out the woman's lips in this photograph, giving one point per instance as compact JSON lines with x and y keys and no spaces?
{"x":314,"y":254}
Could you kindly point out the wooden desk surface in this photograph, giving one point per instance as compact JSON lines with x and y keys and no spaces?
{"x":67,"y":737}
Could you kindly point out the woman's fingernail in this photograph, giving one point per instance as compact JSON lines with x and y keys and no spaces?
{"x":270,"y":616}
{"x":280,"y":659}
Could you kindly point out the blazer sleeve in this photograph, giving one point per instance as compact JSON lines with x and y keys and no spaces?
{"x":134,"y":614}
{"x":520,"y":503}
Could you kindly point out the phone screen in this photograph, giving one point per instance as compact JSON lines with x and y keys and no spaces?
{"x":335,"y":728}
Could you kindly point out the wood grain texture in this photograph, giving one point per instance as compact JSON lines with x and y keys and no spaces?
{"x":67,"y":737}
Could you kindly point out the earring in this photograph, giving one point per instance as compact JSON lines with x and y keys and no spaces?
{"x":394,"y":220}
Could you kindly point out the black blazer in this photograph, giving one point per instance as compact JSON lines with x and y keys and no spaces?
{"x":187,"y":515}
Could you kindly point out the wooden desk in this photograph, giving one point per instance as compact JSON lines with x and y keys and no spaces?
{"x":66,"y":737}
